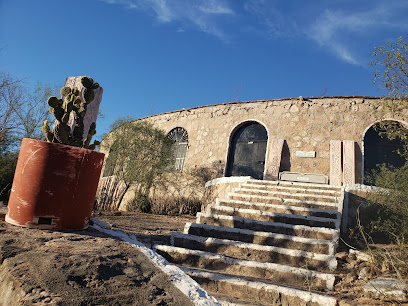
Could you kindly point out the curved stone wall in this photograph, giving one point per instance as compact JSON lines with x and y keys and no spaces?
{"x":307,"y":126}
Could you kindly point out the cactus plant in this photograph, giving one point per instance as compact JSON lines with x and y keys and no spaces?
{"x":62,"y":109}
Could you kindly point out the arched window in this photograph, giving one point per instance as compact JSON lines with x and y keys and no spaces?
{"x":180,"y":137}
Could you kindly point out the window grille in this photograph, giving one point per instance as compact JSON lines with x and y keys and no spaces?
{"x":180,"y":137}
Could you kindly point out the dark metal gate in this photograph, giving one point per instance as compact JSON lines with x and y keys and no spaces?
{"x":247,"y":151}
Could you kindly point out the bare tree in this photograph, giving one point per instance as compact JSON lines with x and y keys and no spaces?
{"x":8,"y":120}
{"x":22,"y":109}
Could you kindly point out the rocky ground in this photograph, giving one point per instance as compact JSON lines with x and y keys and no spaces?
{"x":90,"y":268}
{"x":354,"y":273}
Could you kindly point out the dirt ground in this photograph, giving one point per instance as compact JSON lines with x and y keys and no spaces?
{"x":40,"y":267}
{"x":148,"y":229}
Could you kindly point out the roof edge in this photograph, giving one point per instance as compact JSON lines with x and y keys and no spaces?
{"x":255,"y":101}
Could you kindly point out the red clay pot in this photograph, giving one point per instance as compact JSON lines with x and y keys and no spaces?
{"x":54,"y":186}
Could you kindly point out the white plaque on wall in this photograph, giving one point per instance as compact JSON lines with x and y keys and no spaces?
{"x":309,"y":154}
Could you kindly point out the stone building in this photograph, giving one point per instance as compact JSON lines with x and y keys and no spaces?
{"x":318,"y":139}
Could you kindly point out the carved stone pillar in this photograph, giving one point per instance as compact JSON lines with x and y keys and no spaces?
{"x":335,"y":162}
{"x":349,"y":162}
{"x":273,"y":161}
{"x":92,"y":109}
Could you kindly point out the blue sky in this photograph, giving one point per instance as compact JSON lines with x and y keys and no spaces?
{"x":154,"y":56}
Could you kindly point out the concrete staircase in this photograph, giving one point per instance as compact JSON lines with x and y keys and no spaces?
{"x":267,"y":243}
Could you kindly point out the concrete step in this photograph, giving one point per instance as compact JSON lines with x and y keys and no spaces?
{"x":279,"y":200}
{"x":260,"y":292}
{"x":260,"y":253}
{"x":274,"y":217}
{"x":233,"y":301}
{"x":291,"y":189}
{"x":294,"y":185}
{"x":277,"y":273}
{"x":262,"y":238}
{"x":286,"y":209}
{"x":286,"y":195}
{"x":266,"y":226}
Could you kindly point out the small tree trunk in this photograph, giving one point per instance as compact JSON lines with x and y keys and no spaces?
{"x":122,"y":195}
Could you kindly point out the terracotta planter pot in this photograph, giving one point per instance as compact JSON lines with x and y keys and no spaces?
{"x":54,"y":186}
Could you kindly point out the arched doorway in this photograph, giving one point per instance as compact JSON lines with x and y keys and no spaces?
{"x":247,"y":151}
{"x":378,"y":149}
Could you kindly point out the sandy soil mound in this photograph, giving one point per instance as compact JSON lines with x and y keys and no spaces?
{"x":78,"y":268}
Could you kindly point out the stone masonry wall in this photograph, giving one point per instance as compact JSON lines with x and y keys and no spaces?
{"x":306,"y":124}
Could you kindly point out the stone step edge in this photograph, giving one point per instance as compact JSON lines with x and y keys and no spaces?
{"x":307,"y":296}
{"x":323,"y":230}
{"x":331,"y":245}
{"x":330,"y":260}
{"x":288,"y":183}
{"x":226,"y":301}
{"x":329,"y":278}
{"x":296,"y":195}
{"x":283,"y":200}
{"x":257,"y":186}
{"x":257,"y":212}
{"x":279,"y":206}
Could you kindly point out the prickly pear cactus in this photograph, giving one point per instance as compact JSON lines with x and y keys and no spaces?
{"x":62,"y":109}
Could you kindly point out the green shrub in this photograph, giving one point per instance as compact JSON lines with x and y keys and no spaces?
{"x":8,"y":163}
{"x":140,"y":203}
{"x":386,"y":215}
{"x":382,"y":223}
{"x":166,"y":205}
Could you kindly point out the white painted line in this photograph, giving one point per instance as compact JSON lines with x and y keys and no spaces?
{"x":180,"y":279}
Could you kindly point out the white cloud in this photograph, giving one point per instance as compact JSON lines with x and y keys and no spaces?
{"x":345,"y":31}
{"x":163,"y":11}
{"x":215,"y":7}
{"x":339,"y":26}
{"x":127,"y":3}
{"x":202,"y":14}
{"x":335,"y":29}
{"x":273,"y":20}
